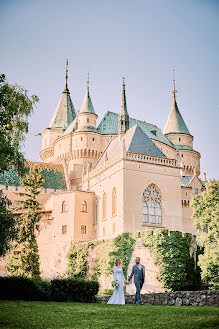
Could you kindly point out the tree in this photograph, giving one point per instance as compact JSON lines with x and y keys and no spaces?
{"x":15,"y":107}
{"x":24,"y":259}
{"x":206,"y":214}
{"x":7,"y":227}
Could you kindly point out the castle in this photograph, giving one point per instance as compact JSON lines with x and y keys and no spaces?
{"x":122,"y":175}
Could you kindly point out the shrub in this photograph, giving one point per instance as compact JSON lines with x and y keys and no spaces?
{"x":24,"y":288}
{"x":74,"y":290}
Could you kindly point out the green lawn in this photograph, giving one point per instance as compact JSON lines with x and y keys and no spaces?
{"x":51,"y":315}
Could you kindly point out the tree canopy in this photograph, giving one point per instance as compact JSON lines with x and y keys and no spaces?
{"x":15,"y":108}
{"x":206,"y":214}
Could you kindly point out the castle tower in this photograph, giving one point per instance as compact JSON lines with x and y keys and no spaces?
{"x":61,"y":119}
{"x":178,"y":134}
{"x":123,"y":119}
{"x":86,"y":118}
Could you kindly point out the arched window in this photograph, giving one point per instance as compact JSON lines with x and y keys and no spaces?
{"x":104,"y":205}
{"x":64,"y":206}
{"x":84,"y":206}
{"x":151,"y":206}
{"x":114,"y":202}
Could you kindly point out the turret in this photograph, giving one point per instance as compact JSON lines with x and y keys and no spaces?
{"x":123,"y":119}
{"x":86,"y":118}
{"x":178,"y":134}
{"x":61,"y":119}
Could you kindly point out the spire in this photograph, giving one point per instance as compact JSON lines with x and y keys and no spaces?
{"x":65,"y":112}
{"x":175,"y":123}
{"x":174,"y":91}
{"x":87,"y":106}
{"x":88,"y":81}
{"x":123,"y":119}
{"x":66,"y":75}
{"x":66,"y":78}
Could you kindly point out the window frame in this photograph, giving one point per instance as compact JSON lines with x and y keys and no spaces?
{"x":152,"y":212}
{"x":64,"y":206}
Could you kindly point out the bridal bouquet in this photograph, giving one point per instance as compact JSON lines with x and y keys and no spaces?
{"x":115,"y":283}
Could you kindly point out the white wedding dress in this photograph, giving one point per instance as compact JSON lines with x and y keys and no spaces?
{"x":118,"y":294}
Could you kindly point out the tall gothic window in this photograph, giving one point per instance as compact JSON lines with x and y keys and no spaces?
{"x":84,"y":206}
{"x":114,"y":202}
{"x":104,"y":205}
{"x":151,"y":206}
{"x":64,"y":206}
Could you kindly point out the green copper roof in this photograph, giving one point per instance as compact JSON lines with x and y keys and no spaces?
{"x":185,"y":180}
{"x":64,"y":113}
{"x":87,"y":106}
{"x":140,"y":143}
{"x":136,"y":141}
{"x":109,"y":126}
{"x":184,"y":147}
{"x":53,"y":179}
{"x":175,"y":122}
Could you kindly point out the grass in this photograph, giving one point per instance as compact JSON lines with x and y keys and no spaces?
{"x":51,"y":315}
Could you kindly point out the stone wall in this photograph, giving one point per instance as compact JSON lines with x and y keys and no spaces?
{"x":179,"y":298}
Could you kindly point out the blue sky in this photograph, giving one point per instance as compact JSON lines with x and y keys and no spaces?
{"x":139,"y":39}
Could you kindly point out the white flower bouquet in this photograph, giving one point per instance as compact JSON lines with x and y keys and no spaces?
{"x":115,"y":283}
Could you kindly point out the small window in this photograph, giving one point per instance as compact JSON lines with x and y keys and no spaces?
{"x":83,"y":229}
{"x":64,"y":229}
{"x":181,"y":155}
{"x":196,"y":191}
{"x":84,"y":206}
{"x":179,"y":139}
{"x":154,"y":132}
{"x":64,"y":206}
{"x":6,"y":187}
{"x":186,"y":193}
{"x":87,"y":120}
{"x":81,"y":139}
{"x":93,"y":139}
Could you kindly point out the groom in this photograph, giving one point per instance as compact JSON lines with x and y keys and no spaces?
{"x":138,"y":271}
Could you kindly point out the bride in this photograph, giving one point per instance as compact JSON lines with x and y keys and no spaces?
{"x":118,"y":294}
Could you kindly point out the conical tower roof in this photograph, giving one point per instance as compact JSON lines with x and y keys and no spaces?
{"x":175,"y":122}
{"x":65,"y":112}
{"x":87,"y":106}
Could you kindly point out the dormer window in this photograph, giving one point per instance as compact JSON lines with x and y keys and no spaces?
{"x":154,"y":132}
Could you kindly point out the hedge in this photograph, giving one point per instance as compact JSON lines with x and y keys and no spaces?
{"x":31,"y":289}
{"x":74,"y":290}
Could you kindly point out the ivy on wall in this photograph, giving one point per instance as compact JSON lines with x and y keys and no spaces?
{"x":120,"y":247}
{"x":77,"y":260}
{"x":124,"y":247}
{"x":178,"y":269}
{"x":171,"y":253}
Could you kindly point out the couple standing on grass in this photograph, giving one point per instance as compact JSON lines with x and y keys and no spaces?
{"x":138,"y":271}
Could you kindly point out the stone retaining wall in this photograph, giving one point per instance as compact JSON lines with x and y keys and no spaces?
{"x":179,"y":298}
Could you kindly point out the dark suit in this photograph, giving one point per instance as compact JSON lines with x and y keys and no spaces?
{"x":139,"y":277}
